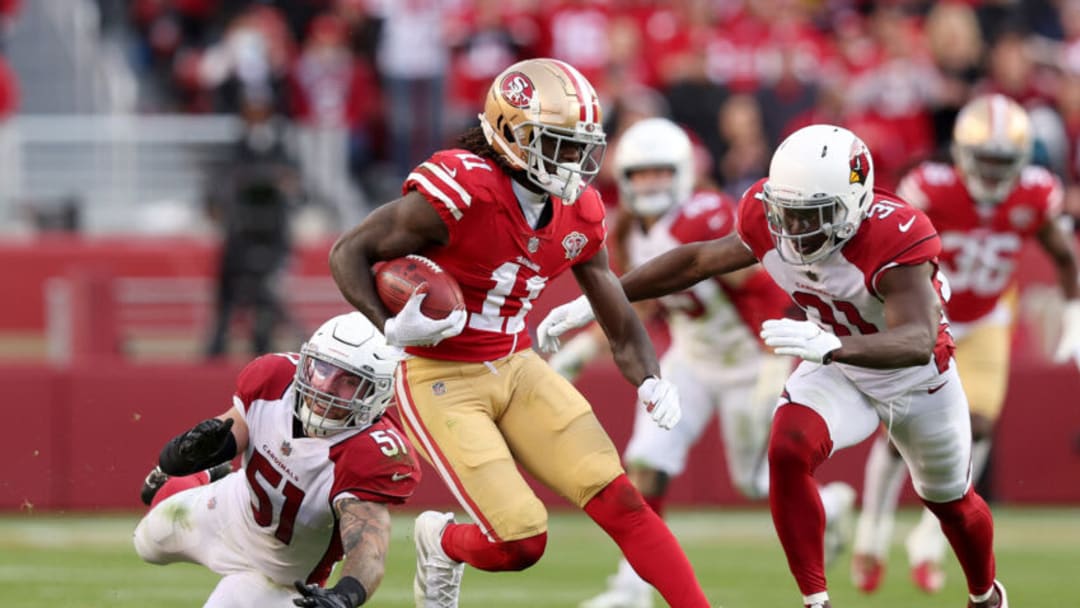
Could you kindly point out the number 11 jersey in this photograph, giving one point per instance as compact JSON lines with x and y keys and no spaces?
{"x":500,"y":261}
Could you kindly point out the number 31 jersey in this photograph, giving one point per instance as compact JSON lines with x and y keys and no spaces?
{"x":840,"y":293}
{"x":282,"y":499}
{"x":980,"y":243}
{"x":500,"y":261}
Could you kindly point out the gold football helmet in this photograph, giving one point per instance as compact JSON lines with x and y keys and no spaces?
{"x":544,"y":117}
{"x":992,"y":143}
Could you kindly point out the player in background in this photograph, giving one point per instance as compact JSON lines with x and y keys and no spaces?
{"x":320,"y":465}
{"x":984,"y":206}
{"x":505,"y":213}
{"x":715,"y":360}
{"x":875,"y":349}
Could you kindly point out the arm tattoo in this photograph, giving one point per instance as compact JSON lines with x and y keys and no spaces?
{"x":365,"y":540}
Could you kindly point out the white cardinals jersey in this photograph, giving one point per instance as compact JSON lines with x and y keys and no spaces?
{"x":840,"y":292}
{"x":711,"y":323}
{"x":275,"y":517}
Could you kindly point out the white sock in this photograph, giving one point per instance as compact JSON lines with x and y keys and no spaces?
{"x":815,"y":598}
{"x":884,"y":477}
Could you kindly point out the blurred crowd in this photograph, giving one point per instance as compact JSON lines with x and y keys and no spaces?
{"x":386,"y":82}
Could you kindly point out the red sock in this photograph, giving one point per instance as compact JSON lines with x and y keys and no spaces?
{"x":466,"y":543}
{"x":176,"y":485}
{"x":657,"y":503}
{"x":969,"y":526}
{"x":647,"y":543}
{"x":798,"y":444}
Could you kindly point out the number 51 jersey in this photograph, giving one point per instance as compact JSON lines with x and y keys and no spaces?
{"x":283,"y":522}
{"x":840,"y":293}
{"x":500,"y":261}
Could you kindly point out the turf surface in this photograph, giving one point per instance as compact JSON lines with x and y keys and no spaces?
{"x":87,"y":562}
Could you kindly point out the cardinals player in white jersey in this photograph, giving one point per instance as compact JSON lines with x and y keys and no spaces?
{"x":875,"y":349}
{"x":715,"y":360}
{"x":984,"y":206}
{"x":320,"y":466}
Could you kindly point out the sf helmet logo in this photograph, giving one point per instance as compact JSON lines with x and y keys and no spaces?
{"x":517,"y":90}
{"x":860,"y":164}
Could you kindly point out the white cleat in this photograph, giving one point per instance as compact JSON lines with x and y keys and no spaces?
{"x":437,"y":583}
{"x":838,"y":528}
{"x":1002,"y":599}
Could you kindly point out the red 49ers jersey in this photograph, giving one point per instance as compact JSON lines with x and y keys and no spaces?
{"x":980,"y":243}
{"x":281,"y":503}
{"x":500,"y":261}
{"x":711,"y":321}
{"x":840,"y":293}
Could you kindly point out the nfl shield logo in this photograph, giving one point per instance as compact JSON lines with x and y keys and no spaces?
{"x":286,"y":448}
{"x":438,"y":389}
{"x":534,"y":244}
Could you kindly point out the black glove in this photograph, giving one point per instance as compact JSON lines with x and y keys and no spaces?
{"x":348,"y":593}
{"x":210,"y":443}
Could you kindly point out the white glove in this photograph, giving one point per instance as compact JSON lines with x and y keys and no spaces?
{"x":410,"y":327}
{"x":561,"y":319}
{"x":1068,"y":346}
{"x":799,"y":339}
{"x":661,"y":400}
{"x":574,"y":355}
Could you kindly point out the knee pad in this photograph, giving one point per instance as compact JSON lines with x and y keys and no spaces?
{"x":799,"y":439}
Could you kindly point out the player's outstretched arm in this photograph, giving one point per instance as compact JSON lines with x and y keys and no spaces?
{"x":365,"y":539}
{"x":398,"y":228}
{"x":912,"y":317}
{"x":686,"y":265}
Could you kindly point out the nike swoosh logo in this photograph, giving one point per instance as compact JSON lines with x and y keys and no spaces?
{"x":400,"y":476}
{"x":904,"y":227}
{"x":937,"y":388}
{"x":450,"y":172}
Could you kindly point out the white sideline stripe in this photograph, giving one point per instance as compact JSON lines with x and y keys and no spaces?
{"x":449,"y":181}
{"x":439,"y":194}
{"x":406,"y":408}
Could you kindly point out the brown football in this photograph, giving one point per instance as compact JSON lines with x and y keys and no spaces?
{"x":396,"y":279}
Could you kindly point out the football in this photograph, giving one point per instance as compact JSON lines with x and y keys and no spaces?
{"x":396,"y":279}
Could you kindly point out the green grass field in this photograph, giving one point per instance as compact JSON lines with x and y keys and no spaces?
{"x":88,"y":562}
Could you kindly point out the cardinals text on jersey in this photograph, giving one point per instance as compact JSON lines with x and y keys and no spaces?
{"x":283,"y":498}
{"x":840,"y":292}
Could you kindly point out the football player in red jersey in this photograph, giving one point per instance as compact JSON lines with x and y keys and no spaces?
{"x":320,"y":466}
{"x":716,"y":360}
{"x":984,"y":206}
{"x":503,"y":214}
{"x":875,"y":349}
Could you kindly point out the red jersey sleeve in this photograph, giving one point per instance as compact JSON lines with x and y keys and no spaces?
{"x":450,"y":180}
{"x":265,"y":378}
{"x":1044,"y":191}
{"x":894,"y":234}
{"x":706,"y":216}
{"x":591,"y":213}
{"x":378,"y":465}
{"x":750,"y":221}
